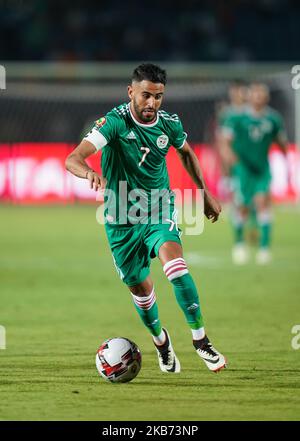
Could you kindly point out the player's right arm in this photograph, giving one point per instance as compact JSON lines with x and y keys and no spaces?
{"x":77,"y":165}
{"x":104,"y":130}
{"x":228,"y":157}
{"x":225,"y":139}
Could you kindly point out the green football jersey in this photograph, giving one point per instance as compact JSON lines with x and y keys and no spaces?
{"x":134,"y":156}
{"x":252,"y":136}
{"x":229,"y":112}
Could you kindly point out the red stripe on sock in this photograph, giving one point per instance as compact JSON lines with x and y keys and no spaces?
{"x":175,"y":267}
{"x":145,"y":304}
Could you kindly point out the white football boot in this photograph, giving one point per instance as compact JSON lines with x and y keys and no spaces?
{"x":263,"y":256}
{"x":168,"y":362}
{"x":213,"y":359}
{"x":240,"y":254}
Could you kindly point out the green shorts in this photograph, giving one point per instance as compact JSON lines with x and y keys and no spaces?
{"x":133,"y":247}
{"x":246,"y":184}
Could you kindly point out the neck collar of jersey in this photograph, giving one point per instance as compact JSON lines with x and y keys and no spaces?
{"x":142,"y":124}
{"x":257,"y":114}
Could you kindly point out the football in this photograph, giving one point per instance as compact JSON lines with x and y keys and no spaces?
{"x":118,"y":360}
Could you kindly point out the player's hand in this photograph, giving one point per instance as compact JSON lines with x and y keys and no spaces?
{"x":212,"y":207}
{"x":96,"y":181}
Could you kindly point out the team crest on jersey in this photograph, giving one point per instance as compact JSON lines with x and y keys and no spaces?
{"x":100,"y":122}
{"x":162,"y":141}
{"x":266,"y":126}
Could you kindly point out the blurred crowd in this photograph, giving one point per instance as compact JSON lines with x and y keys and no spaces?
{"x":210,"y":30}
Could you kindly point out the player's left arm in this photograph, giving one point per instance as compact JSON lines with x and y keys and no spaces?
{"x":282,"y":142}
{"x":212,"y":207}
{"x":280,"y":136}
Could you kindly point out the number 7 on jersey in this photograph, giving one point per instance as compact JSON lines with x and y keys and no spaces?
{"x":146,"y":150}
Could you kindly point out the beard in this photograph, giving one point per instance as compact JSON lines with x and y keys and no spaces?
{"x":146,"y":114}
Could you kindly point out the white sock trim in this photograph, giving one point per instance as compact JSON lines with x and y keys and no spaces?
{"x":238,"y":219}
{"x":264,"y":217}
{"x":198,"y":334}
{"x":175,"y":268}
{"x":159,"y":339}
{"x":145,"y":302}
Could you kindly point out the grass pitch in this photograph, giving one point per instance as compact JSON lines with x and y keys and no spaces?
{"x":61,"y":297}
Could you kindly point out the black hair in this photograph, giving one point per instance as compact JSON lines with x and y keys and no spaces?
{"x":238,"y":82}
{"x":149,"y":72}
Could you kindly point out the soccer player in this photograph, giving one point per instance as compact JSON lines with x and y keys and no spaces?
{"x":135,"y":138}
{"x":246,"y":139}
{"x":238,"y":93}
{"x":238,"y":99}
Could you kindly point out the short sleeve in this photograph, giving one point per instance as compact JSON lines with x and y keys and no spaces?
{"x":104,"y":131}
{"x":179,"y":136}
{"x":221,"y":117}
{"x":228,"y":126}
{"x":279,"y":129}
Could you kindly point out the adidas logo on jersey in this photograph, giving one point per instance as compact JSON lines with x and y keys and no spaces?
{"x":131,"y":135}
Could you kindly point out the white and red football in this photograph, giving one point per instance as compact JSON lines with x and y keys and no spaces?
{"x":118,"y":360}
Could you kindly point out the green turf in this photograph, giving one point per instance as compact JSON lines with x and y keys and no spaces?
{"x":61,"y":297}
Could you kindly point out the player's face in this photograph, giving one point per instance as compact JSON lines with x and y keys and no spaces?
{"x":259,"y":95}
{"x":146,"y":98}
{"x":238,"y":95}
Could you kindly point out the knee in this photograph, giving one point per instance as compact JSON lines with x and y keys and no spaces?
{"x":262,"y":202}
{"x":241,"y":214}
{"x":143,"y":298}
{"x":264,"y":216}
{"x":142,"y":289}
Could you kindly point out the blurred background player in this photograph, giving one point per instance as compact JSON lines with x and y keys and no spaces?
{"x":238,"y":98}
{"x":238,"y":94}
{"x":244,"y":146}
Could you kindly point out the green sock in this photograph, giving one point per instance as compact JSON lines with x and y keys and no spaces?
{"x":187,"y":298}
{"x":264,"y":219}
{"x":238,"y":231}
{"x":238,"y":226}
{"x":265,"y":235}
{"x":148,"y":311}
